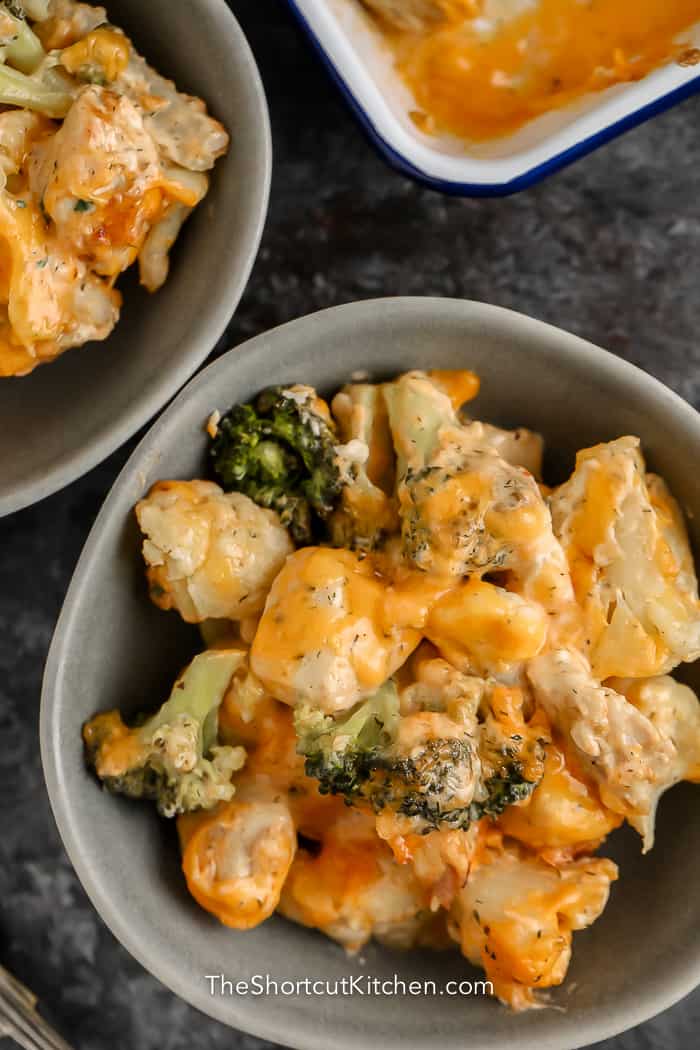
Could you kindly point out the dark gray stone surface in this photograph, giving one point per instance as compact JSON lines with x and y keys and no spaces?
{"x":608,"y":249}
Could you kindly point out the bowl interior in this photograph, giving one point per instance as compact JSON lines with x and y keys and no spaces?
{"x":67,"y":416}
{"x":112,"y":648}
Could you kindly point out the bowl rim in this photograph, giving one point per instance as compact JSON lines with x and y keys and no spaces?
{"x":143,"y":408}
{"x":510,"y":174}
{"x":668,"y":988}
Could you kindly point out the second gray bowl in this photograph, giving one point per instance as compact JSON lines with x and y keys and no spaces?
{"x":112,"y":648}
{"x":69,"y":415}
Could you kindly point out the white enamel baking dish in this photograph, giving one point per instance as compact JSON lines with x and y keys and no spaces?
{"x":360,"y":63}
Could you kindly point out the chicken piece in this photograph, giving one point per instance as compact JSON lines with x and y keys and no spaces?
{"x":428,"y":683}
{"x":237,"y":856}
{"x":324,"y":637}
{"x":68,"y":21}
{"x":630,"y":561}
{"x":236,"y":862}
{"x":484,"y":629}
{"x":179,"y":124}
{"x":563,"y":813}
{"x":99,"y":57}
{"x":99,"y":178}
{"x":19,"y":130}
{"x":616,"y":744}
{"x":352,"y":889}
{"x":516,"y":915}
{"x":209,"y":554}
{"x":440,"y":860}
{"x":673,"y":709}
{"x":53,"y":301}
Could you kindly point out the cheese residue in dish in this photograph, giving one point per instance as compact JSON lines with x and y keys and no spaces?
{"x":101,"y":162}
{"x":481,"y":69}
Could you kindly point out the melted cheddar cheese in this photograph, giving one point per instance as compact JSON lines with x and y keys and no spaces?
{"x":107,"y":181}
{"x":324,"y":635}
{"x":481,"y":69}
{"x":480,"y":624}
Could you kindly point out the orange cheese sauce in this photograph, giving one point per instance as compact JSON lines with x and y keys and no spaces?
{"x":328,"y":602}
{"x":482,"y":78}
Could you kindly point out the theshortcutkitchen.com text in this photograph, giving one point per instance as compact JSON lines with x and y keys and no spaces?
{"x":263,"y":984}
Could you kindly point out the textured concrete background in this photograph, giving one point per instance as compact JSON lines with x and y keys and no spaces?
{"x":607,"y":249}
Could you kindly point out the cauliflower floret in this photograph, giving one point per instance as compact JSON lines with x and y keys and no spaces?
{"x":632,"y":569}
{"x":324,"y":637}
{"x":209,"y":554}
{"x":673,"y":709}
{"x":469,"y":511}
{"x":367,"y":513}
{"x":353,"y":889}
{"x":466,"y":510}
{"x":237,"y":857}
{"x":463,"y":508}
{"x":617,"y":745}
{"x":516,"y":915}
{"x":520,"y":447}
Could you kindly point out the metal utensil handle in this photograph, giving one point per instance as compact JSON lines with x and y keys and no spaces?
{"x":19,"y":1019}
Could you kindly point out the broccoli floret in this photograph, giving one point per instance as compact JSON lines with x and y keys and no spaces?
{"x":512,"y":753}
{"x":280,"y":451}
{"x":343,"y":753}
{"x":172,"y":758}
{"x":42,"y":92}
{"x":504,"y":789}
{"x":441,"y":770}
{"x":360,"y":758}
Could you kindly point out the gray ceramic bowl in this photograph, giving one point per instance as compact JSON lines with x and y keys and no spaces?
{"x":67,"y":416}
{"x":112,"y":647}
